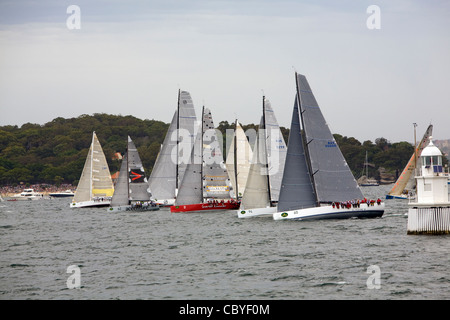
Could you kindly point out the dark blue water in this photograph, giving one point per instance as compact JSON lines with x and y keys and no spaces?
{"x":215,"y":255}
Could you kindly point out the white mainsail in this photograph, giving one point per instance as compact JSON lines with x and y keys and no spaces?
{"x":205,"y":175}
{"x":95,"y":186}
{"x":186,"y":130}
{"x":216,"y":181}
{"x":266,"y":171}
{"x":256,"y":193}
{"x":275,"y":150}
{"x":191,"y":187}
{"x":121,"y":193}
{"x":238,"y":160}
{"x":162,"y":181}
{"x":172,"y":160}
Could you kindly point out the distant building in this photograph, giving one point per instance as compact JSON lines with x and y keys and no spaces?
{"x":117,"y":156}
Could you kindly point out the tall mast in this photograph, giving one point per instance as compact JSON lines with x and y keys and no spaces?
{"x":128,"y":172}
{"x":235,"y":159}
{"x":367,"y":166}
{"x":178,"y":139}
{"x":305,"y":143}
{"x":415,"y":149}
{"x":201,"y":150}
{"x":266,"y":163}
{"x":92,"y":163}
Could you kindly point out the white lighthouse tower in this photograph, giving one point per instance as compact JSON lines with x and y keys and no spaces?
{"x":429,"y":213}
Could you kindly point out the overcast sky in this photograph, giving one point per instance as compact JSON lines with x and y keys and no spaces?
{"x":131,"y":57}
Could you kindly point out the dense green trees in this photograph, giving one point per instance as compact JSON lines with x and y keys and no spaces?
{"x":56,"y":151}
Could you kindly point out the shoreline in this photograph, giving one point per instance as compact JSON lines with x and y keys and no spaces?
{"x":45,"y":189}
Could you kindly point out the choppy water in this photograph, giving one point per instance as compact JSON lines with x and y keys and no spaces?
{"x":215,"y":255}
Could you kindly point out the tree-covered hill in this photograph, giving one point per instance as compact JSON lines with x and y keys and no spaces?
{"x":56,"y":151}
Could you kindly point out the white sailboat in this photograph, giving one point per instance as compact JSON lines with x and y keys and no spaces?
{"x":238,"y":161}
{"x":171,"y":162}
{"x":266,"y":171}
{"x":95,"y":187}
{"x":132,"y":191}
{"x":317,"y":182}
{"x":406,"y":181}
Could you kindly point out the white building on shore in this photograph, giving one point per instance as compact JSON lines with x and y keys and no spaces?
{"x":429,"y":212}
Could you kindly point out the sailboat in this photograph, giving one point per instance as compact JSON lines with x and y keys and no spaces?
{"x":266,"y":171}
{"x":171,"y":162}
{"x":27,"y":194}
{"x":238,"y":161}
{"x":317,"y":182}
{"x":132,"y":191}
{"x":367,"y":182}
{"x":95,"y":187}
{"x":406,"y":181}
{"x":206,"y":184}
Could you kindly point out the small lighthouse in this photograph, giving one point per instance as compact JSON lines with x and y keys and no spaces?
{"x":429,"y":213}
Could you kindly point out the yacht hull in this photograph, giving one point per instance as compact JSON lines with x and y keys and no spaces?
{"x":328,"y":212}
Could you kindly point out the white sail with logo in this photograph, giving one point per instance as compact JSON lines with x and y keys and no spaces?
{"x":216,"y":181}
{"x":132,"y":191}
{"x":206,"y":176}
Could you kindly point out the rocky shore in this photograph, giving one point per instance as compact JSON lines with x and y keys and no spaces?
{"x":386,"y":177}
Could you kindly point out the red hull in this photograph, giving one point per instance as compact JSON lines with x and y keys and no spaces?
{"x":205,"y":207}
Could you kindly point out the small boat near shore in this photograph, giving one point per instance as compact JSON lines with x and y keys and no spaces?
{"x":365,"y":180}
{"x":27,"y":194}
{"x":63,"y":194}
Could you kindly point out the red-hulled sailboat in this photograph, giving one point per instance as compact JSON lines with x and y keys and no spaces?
{"x":206,"y":184}
{"x":211,"y":205}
